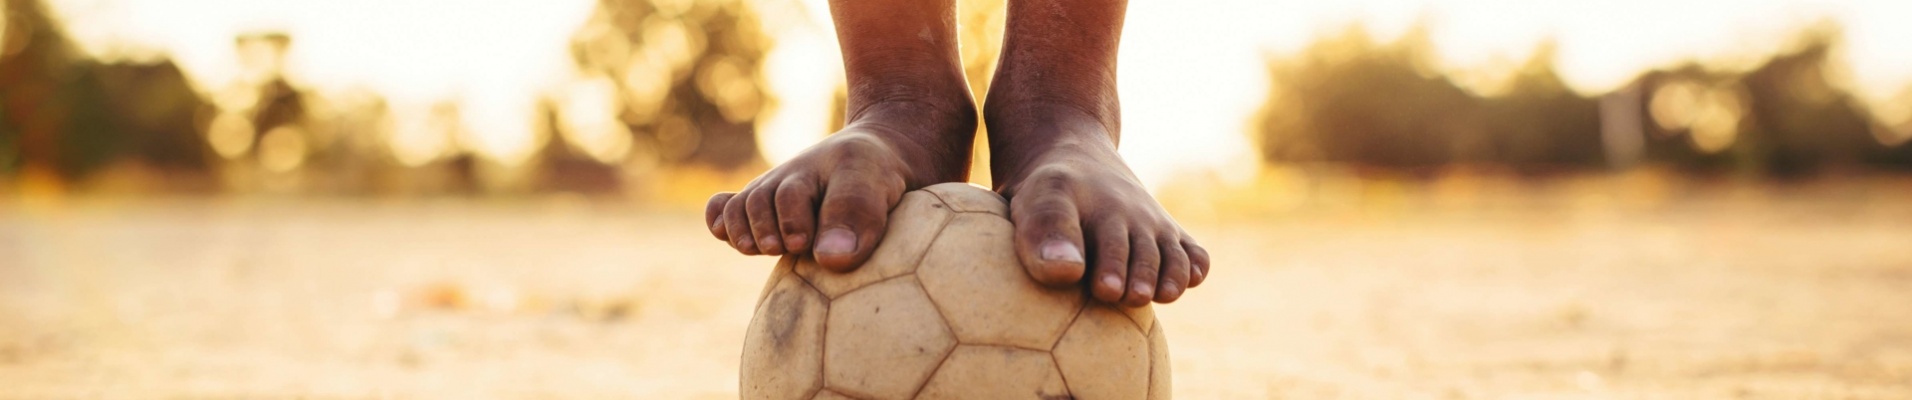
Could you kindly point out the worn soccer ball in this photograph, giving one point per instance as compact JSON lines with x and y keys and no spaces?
{"x":944,"y":310}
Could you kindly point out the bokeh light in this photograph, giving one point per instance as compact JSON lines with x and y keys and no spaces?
{"x":504,"y":198}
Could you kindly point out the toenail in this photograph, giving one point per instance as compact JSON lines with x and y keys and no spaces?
{"x":1169,"y":288}
{"x":745,"y":242}
{"x":1112,"y":282}
{"x":1142,"y":290}
{"x":836,"y":241}
{"x":770,"y":241}
{"x":797,"y":241}
{"x":1057,"y":250}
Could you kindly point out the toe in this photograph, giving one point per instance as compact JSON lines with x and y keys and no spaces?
{"x":1197,"y":262}
{"x":714,"y":215}
{"x":763,"y":220}
{"x":1110,"y":245}
{"x":1145,"y":260}
{"x":737,"y":224}
{"x":1048,"y":238}
{"x":796,"y":203}
{"x":1174,"y":271}
{"x":854,"y":215}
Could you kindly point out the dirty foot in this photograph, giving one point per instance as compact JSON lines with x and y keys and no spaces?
{"x":834,"y":199}
{"x":1075,"y":204}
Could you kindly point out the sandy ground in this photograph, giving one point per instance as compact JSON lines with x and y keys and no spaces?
{"x":281,"y":298}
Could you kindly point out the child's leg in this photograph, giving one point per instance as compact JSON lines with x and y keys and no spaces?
{"x":1054,"y":123}
{"x":910,"y":124}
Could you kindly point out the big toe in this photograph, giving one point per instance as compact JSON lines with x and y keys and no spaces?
{"x":836,"y":247}
{"x":853,"y":218}
{"x":1049,"y":241}
{"x":1060,"y":263}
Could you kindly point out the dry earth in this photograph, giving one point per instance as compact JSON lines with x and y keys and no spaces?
{"x":1717,"y":297}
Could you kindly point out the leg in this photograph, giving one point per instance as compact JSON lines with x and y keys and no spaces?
{"x":1054,"y":123}
{"x":910,"y":124}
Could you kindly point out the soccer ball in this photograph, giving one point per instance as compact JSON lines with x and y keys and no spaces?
{"x":943,"y":310}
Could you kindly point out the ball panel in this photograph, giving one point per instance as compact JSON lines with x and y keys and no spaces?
{"x":785,"y":265}
{"x":1103,"y":356}
{"x":783,"y":348}
{"x":884,"y":340}
{"x":1159,"y":374}
{"x":995,"y":372}
{"x":912,"y":226}
{"x":967,"y":197}
{"x":830,"y":395}
{"x":972,"y":274}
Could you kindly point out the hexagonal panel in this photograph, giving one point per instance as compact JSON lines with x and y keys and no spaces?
{"x":783,"y":348}
{"x":995,"y":372}
{"x":972,"y":273}
{"x":884,"y":340}
{"x":829,"y":395}
{"x":912,"y":226}
{"x":1103,"y":356}
{"x":1160,"y":387}
{"x":967,"y":197}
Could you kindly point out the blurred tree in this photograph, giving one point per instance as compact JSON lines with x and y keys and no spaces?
{"x":689,"y":74}
{"x":68,"y":115}
{"x":51,"y":97}
{"x":275,"y":131}
{"x":349,"y":150}
{"x":154,"y":106}
{"x":1541,"y":122}
{"x":1798,"y":119}
{"x":1348,"y":99}
{"x":1695,"y":119}
{"x":566,"y":166}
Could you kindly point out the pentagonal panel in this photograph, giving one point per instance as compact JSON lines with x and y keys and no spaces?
{"x":912,"y":226}
{"x":967,"y":197}
{"x":785,"y":266}
{"x":1159,"y":376}
{"x":1103,"y":356}
{"x":972,"y":273}
{"x":829,"y":395}
{"x":995,"y":372}
{"x":883,"y":341}
{"x":783,"y":349}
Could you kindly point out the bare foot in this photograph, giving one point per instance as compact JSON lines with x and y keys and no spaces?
{"x":1074,"y":197}
{"x":841,"y":190}
{"x":911,"y":124}
{"x":1054,"y":121}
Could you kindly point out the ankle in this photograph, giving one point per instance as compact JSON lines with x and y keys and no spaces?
{"x":940,"y":118}
{"x":1101,"y":111}
{"x":928,"y":91}
{"x":933,"y":139}
{"x":1024,"y":136}
{"x":1029,"y":123}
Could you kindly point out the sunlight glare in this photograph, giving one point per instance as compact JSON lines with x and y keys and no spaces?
{"x":495,"y":56}
{"x":801,"y":73}
{"x":1193,"y":73}
{"x":588,"y":111}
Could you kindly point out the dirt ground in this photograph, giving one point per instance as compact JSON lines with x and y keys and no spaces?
{"x":1713,"y":297}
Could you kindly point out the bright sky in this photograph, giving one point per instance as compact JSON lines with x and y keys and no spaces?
{"x":1192,"y":71}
